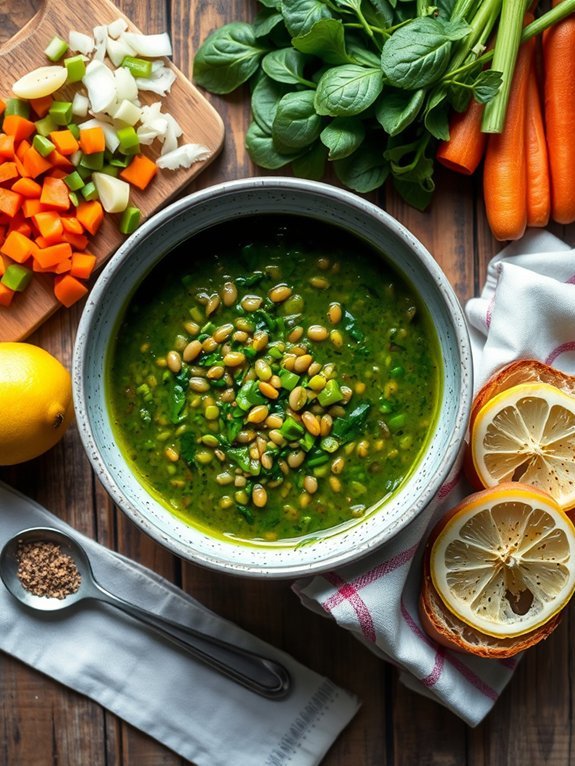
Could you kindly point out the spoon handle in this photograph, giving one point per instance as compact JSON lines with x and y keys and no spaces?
{"x":259,"y":674}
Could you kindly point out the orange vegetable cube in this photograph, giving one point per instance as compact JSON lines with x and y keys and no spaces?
{"x":42,"y":105}
{"x":92,"y":140}
{"x":6,"y":146}
{"x":50,"y":226}
{"x":82,"y":265}
{"x":20,"y":148}
{"x":27,"y":188}
{"x":17,"y":126}
{"x":6,"y":295}
{"x":8,"y":171}
{"x":31,"y":206}
{"x":64,"y":141}
{"x":34,"y":163}
{"x":140,"y":171}
{"x":52,"y":255}
{"x":59,"y":161}
{"x":10,"y":202}
{"x":72,"y":224}
{"x":78,"y":241}
{"x":68,"y":290}
{"x":55,"y":194}
{"x":90,"y":214}
{"x":18,"y":247}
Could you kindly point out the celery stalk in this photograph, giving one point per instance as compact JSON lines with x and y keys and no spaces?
{"x":504,"y":58}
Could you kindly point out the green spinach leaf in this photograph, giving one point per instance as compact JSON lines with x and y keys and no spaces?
{"x":397,"y":109}
{"x":262,"y":150}
{"x":266,"y":96}
{"x":347,"y":90}
{"x":326,"y":40}
{"x":301,"y":15}
{"x":286,"y":65}
{"x":311,"y":164}
{"x":228,"y":58}
{"x":365,"y":169}
{"x":343,"y":136}
{"x":296,"y":124}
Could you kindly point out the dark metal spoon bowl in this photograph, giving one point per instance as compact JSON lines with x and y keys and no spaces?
{"x":257,"y":673}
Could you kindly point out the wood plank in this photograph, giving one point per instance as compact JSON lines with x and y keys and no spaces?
{"x":200,"y":122}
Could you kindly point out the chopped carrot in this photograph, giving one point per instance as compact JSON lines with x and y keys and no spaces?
{"x":10,"y":202}
{"x":50,"y":256}
{"x":18,"y":247}
{"x":64,"y":141}
{"x":31,"y":206}
{"x":90,"y":214}
{"x":82,"y":265}
{"x":34,"y":163}
{"x":59,"y":161}
{"x":41,"y":105}
{"x":2,"y":265}
{"x":2,"y":106}
{"x":55,"y":193}
{"x":8,"y":171}
{"x":27,"y":188}
{"x":72,"y":224}
{"x":92,"y":140}
{"x":21,"y":226}
{"x":78,"y":241}
{"x":21,"y":169}
{"x":6,"y":295}
{"x":466,"y":146}
{"x":140,"y":171}
{"x":68,"y":289}
{"x":17,"y":126}
{"x":58,"y":268}
{"x":20,"y":148}
{"x":50,"y":226}
{"x":6,"y":146}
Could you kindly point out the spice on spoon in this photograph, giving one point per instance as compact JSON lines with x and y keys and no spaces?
{"x":45,"y":569}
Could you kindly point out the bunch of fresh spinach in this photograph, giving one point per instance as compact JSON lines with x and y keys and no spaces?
{"x":367,"y":85}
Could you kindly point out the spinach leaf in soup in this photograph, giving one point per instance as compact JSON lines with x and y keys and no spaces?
{"x":273,"y":378}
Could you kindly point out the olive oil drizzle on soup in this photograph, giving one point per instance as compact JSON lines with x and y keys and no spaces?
{"x":273,"y":378}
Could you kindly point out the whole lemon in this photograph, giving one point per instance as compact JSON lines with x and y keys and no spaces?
{"x":35,"y":402}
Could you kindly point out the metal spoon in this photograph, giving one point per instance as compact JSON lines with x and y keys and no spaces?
{"x":259,"y":674}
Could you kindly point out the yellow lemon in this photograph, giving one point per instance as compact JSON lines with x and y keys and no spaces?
{"x":35,"y":402}
{"x":527,"y":434}
{"x":503,"y":560}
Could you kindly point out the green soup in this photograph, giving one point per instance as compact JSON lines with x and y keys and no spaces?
{"x":272,"y":378}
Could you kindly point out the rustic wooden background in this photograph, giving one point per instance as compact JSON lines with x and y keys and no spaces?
{"x":42,"y":723}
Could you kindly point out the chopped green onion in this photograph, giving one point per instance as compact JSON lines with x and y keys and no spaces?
{"x":291,"y":429}
{"x":56,"y":48}
{"x":289,"y":379}
{"x":330,"y":394}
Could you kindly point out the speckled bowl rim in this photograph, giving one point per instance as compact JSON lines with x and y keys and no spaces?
{"x":143,"y":249}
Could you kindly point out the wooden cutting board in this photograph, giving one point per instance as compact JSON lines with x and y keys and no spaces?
{"x":198,"y":119}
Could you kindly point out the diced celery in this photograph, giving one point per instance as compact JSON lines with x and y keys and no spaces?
{"x":74,"y":181}
{"x":138,"y":67}
{"x":289,"y":379}
{"x":74,"y":199}
{"x":61,"y":112}
{"x":129,"y":141}
{"x":76,"y":68}
{"x":130,"y":220}
{"x":17,"y":106}
{"x":111,"y":170}
{"x":93,"y":161}
{"x":120,"y":162}
{"x":17,"y":277}
{"x":45,"y":126}
{"x":56,"y":48}
{"x":330,"y":394}
{"x":291,"y":429}
{"x":43,"y":145}
{"x":74,"y":130}
{"x":89,"y":191}
{"x":84,"y":173}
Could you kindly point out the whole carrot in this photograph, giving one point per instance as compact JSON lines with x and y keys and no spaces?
{"x":466,"y":146}
{"x":538,"y":183}
{"x":559,"y":65}
{"x":504,"y":169}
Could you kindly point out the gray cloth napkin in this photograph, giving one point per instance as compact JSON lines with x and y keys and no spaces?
{"x":150,"y":683}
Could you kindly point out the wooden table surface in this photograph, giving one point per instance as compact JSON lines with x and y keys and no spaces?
{"x":43,"y":723}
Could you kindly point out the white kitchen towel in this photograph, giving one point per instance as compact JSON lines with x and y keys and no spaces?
{"x":156,"y":687}
{"x":526,"y":310}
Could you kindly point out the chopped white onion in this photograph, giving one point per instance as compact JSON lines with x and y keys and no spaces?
{"x":159,"y":83}
{"x":101,"y":86}
{"x":183,"y":157}
{"x":116,"y":28}
{"x":80,"y":104}
{"x":80,"y":43}
{"x":127,"y":112}
{"x":152,"y":46}
{"x":114,"y":193}
{"x":100,"y":38}
{"x":117,"y":50}
{"x":126,"y":87}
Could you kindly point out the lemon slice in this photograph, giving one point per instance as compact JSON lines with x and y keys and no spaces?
{"x":504,"y":562}
{"x":527,"y":433}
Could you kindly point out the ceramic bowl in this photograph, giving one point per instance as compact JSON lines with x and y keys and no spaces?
{"x":207,"y":208}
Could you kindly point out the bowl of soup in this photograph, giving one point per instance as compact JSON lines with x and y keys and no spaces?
{"x":272,"y":377}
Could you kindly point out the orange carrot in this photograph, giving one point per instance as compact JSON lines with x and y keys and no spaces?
{"x":10,"y":202}
{"x":78,"y":241}
{"x":20,"y":148}
{"x":466,"y":146}
{"x":504,"y":169}
{"x":34,"y":163}
{"x":2,"y":106}
{"x":140,"y":171}
{"x":58,"y":268}
{"x":55,"y":193}
{"x":18,"y":247}
{"x":50,"y":226}
{"x":90,"y":215}
{"x":20,"y":225}
{"x":92,"y":140}
{"x":17,"y":126}
{"x":6,"y":146}
{"x":82,"y":265}
{"x":64,"y":141}
{"x":41,"y":105}
{"x":50,"y":256}
{"x":559,"y":67}
{"x":72,"y":224}
{"x":68,"y":289}
{"x":31,"y":206}
{"x":58,"y":160}
{"x":27,"y":188}
{"x":6,"y":295}
{"x":538,"y":184}
{"x":8,"y":171}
